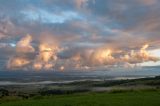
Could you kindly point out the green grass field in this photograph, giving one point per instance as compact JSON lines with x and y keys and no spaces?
{"x":132,"y":98}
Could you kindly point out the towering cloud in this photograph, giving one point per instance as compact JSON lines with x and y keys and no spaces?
{"x":24,"y":45}
{"x":46,"y":57}
{"x":140,"y":56}
{"x":102,"y":57}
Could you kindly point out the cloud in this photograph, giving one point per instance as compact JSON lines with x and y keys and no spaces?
{"x":106,"y":57}
{"x":78,"y":33}
{"x":22,"y":48}
{"x":46,"y":57}
{"x":17,"y":63}
{"x":148,"y":2}
{"x":24,"y":45}
{"x":2,"y":35}
{"x":140,"y":56}
{"x":49,"y":56}
{"x":80,"y":3}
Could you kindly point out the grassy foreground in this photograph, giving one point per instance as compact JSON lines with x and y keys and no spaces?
{"x":115,"y":98}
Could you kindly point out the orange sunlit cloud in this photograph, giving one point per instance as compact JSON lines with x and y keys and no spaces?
{"x":47,"y":57}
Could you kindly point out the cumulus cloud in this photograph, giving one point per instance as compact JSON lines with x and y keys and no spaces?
{"x":24,"y":45}
{"x":48,"y":57}
{"x":80,"y":3}
{"x":45,"y":59}
{"x":17,"y":63}
{"x":2,"y":35}
{"x":140,"y":56}
{"x":148,"y":2}
{"x":102,"y":57}
{"x":107,"y":57}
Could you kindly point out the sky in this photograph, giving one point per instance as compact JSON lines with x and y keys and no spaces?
{"x":79,"y":34}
